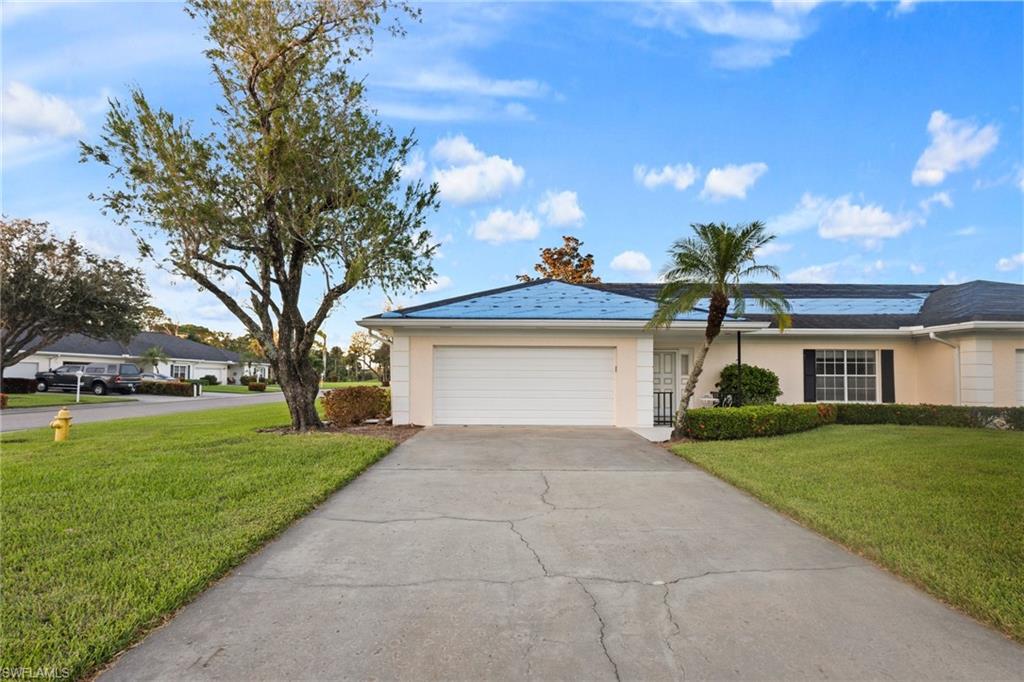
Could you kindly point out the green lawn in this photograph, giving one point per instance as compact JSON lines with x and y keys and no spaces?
{"x":942,"y":507}
{"x":58,"y":399}
{"x":235,"y":388}
{"x":104,"y":535}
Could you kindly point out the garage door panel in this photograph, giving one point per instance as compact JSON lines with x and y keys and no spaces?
{"x":524,"y":385}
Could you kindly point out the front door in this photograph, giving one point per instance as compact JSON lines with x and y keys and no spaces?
{"x":664,"y":385}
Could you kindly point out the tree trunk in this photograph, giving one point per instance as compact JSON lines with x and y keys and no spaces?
{"x":300,"y":384}
{"x":716,"y":314}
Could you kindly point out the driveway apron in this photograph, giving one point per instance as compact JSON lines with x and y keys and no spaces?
{"x":474,"y":553}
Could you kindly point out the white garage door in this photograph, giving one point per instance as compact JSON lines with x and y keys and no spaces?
{"x":524,"y":385}
{"x":22,"y":370}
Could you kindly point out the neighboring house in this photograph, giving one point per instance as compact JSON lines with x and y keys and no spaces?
{"x":186,"y":359}
{"x":548,"y":352}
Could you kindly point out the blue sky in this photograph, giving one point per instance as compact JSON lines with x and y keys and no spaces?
{"x":882,"y":142}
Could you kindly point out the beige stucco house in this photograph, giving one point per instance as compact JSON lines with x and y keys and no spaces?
{"x":548,"y":352}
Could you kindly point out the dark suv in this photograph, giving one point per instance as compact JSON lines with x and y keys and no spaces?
{"x":98,"y":378}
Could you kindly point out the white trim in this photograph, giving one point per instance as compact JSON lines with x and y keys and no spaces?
{"x":120,"y":358}
{"x":645,"y":381}
{"x":967,"y":326}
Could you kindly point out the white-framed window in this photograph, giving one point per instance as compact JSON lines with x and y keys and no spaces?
{"x":181,"y":372}
{"x":846,"y":376}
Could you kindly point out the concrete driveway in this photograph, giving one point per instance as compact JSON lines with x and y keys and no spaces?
{"x":509,"y":553}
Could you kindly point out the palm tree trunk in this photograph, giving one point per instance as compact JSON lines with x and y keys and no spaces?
{"x":716,"y":314}
{"x":679,"y":422}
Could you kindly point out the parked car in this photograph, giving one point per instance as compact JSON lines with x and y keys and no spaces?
{"x":97,"y":378}
{"x":154,"y":376}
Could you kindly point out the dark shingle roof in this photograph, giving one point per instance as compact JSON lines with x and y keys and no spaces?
{"x":175,"y":347}
{"x":815,"y":306}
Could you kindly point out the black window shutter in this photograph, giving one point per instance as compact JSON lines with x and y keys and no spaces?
{"x":808,"y":375}
{"x":888,"y":378}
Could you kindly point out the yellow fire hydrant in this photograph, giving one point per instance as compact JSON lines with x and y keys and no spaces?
{"x":61,"y":425}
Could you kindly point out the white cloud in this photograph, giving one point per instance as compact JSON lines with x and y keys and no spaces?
{"x":952,"y":278}
{"x":804,"y":216}
{"x":773,"y":249}
{"x":815,"y":274}
{"x":732,"y":182}
{"x":956,"y":144}
{"x":34,"y":122}
{"x":413,"y":169}
{"x":917,"y":268}
{"x":757,"y":34}
{"x":939,"y":198}
{"x":869,"y":223}
{"x":632,"y":262}
{"x":460,"y":79}
{"x":472,"y":176}
{"x":679,"y":176}
{"x":1012,"y":263}
{"x":843,"y":220}
{"x":561,"y":209}
{"x":876,"y":266}
{"x":502,"y":226}
{"x":968,"y":231}
{"x":904,"y":7}
{"x":440,"y":283}
{"x":456,"y":149}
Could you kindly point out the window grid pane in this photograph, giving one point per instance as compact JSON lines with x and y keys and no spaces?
{"x":845,"y":376}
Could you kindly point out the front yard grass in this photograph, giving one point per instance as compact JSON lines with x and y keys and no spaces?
{"x":16,"y":400}
{"x":235,"y":388}
{"x":942,"y":507}
{"x":106,"y":534}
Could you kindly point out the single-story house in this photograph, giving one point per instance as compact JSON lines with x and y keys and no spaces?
{"x":186,"y":359}
{"x":549,"y":352}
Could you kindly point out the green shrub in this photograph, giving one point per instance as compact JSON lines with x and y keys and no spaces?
{"x":760,"y":385}
{"x":751,"y":421}
{"x":356,"y":404}
{"x":178,"y":388}
{"x":1005,"y":418}
{"x":209,"y":380}
{"x":18,"y":385}
{"x":257,"y":386}
{"x":245,"y":379}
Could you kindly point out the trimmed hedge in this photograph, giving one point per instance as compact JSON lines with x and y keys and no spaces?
{"x":1003,"y":418}
{"x":18,"y":385}
{"x":209,"y":380}
{"x":760,"y":385}
{"x":257,"y":386}
{"x":179,"y":388}
{"x":728,"y":423}
{"x":3,"y":401}
{"x":355,"y":404}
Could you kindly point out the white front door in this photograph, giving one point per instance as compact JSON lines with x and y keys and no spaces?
{"x":665,"y":385}
{"x":524,"y":385}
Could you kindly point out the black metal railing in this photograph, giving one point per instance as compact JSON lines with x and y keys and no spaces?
{"x":664,"y":408}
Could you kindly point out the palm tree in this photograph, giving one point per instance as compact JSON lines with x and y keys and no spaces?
{"x":711,"y":265}
{"x":153,"y":356}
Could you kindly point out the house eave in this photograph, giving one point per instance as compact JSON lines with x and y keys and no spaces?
{"x":637,"y":325}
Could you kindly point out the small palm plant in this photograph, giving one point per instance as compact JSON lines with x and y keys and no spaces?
{"x":711,"y":265}
{"x":153,"y":356}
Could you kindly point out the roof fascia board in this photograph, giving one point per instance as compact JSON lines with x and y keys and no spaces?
{"x":977,"y":325}
{"x":58,"y":354}
{"x":378,"y":323}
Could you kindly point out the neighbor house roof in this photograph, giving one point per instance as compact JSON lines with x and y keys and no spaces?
{"x":813,"y":306}
{"x":174,"y":347}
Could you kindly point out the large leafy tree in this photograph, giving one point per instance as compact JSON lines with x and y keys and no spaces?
{"x":50,"y":288}
{"x":297,"y":179}
{"x":711,"y":266}
{"x":565,"y":263}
